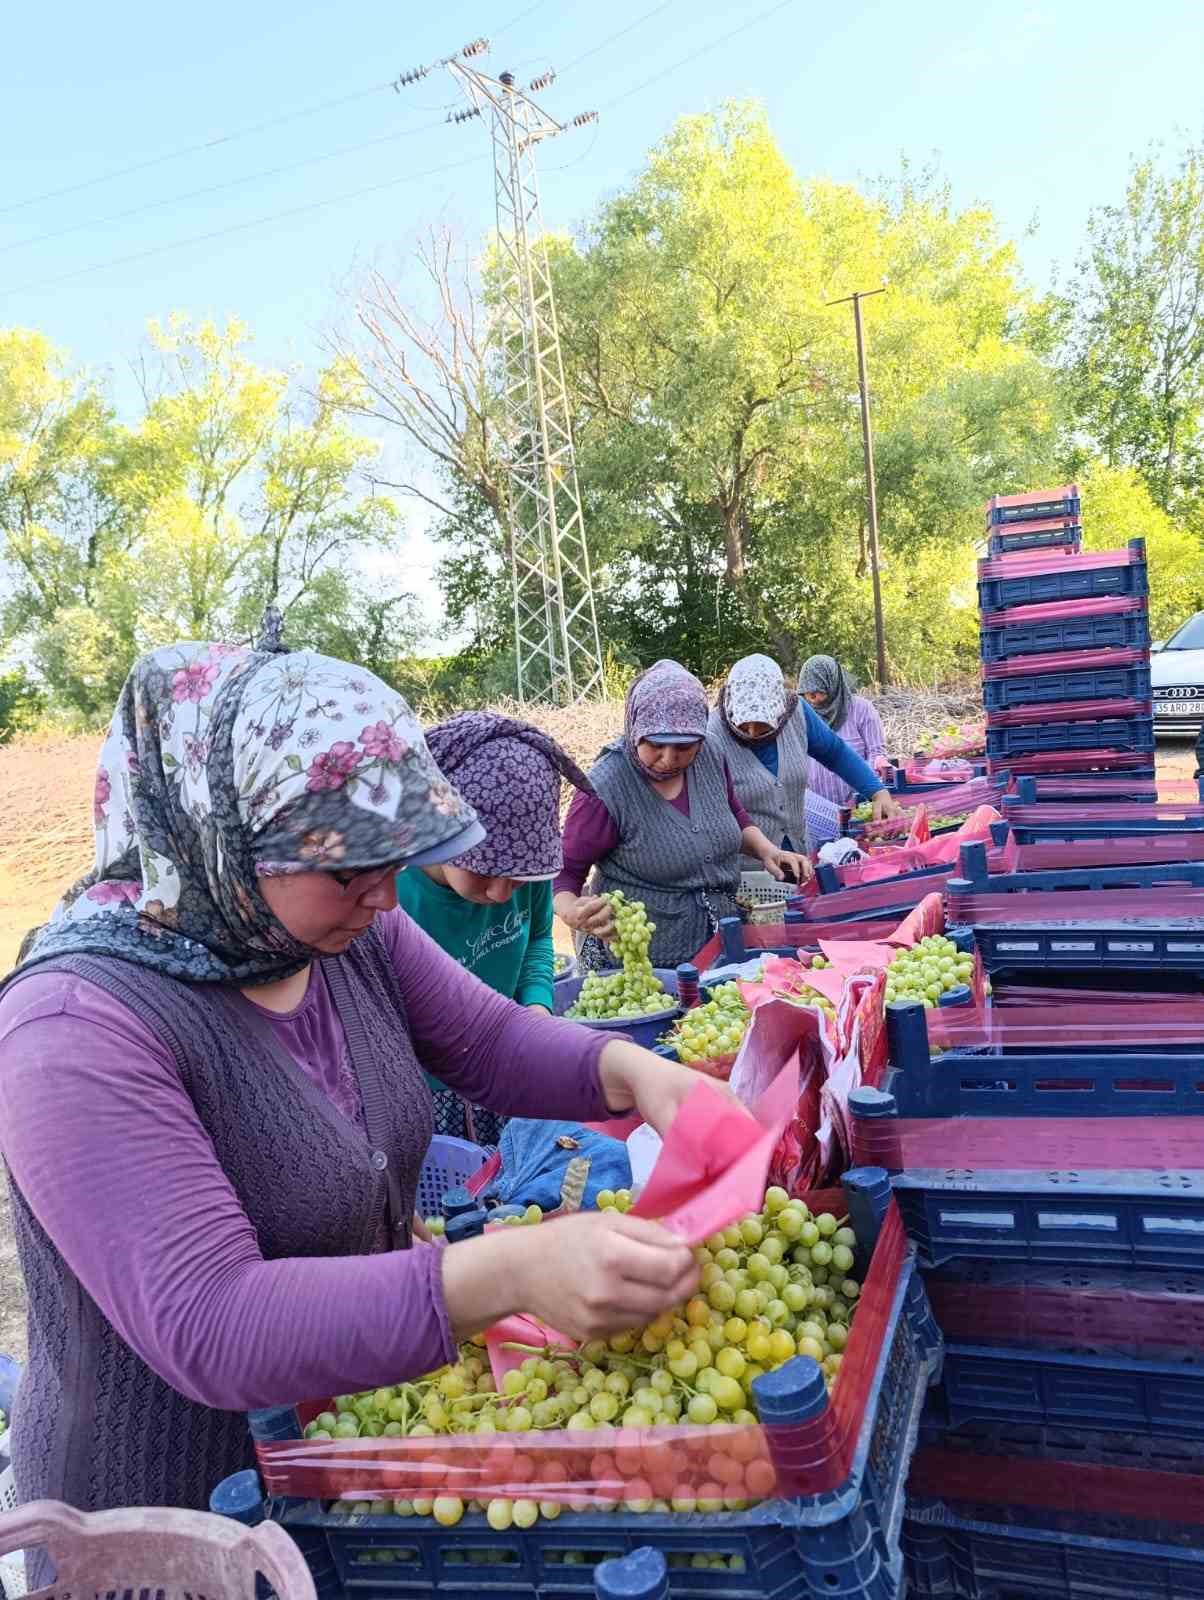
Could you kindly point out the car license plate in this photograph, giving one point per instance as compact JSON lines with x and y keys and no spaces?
{"x":1177,"y":708}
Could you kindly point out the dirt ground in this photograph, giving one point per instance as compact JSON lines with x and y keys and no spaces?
{"x":45,"y":842}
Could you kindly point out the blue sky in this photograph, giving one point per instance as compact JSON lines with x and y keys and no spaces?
{"x":1032,"y":108}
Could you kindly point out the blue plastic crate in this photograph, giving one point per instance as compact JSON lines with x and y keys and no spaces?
{"x":640,"y":1030}
{"x":1062,"y":823}
{"x":842,"y":1543}
{"x":1047,"y":688}
{"x":1069,"y":537}
{"x":902,"y":784}
{"x":1006,"y":510}
{"x":976,"y":878}
{"x":1131,"y":1218}
{"x":1069,"y":580}
{"x":952,"y":1557}
{"x":1082,"y":946}
{"x":1109,"y":733}
{"x":1125,"y":630}
{"x":1064,"y":791}
{"x":1122,"y":1393}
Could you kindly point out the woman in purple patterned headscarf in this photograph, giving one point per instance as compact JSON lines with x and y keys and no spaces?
{"x":491,"y":908}
{"x":663,"y":824}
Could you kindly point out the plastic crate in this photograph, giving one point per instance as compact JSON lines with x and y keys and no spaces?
{"x":841,"y":1543}
{"x":1129,"y":735}
{"x":1080,"y":945}
{"x":1037,"y":535}
{"x":1087,"y":790}
{"x":953,"y":1557}
{"x":640,"y":1030}
{"x":1103,"y":1218}
{"x":1109,"y":630}
{"x":1136,"y":765}
{"x":1087,"y":577}
{"x":762,"y":898}
{"x":1156,"y":865}
{"x":168,"y":1553}
{"x":449,"y":1163}
{"x":1004,"y":510}
{"x":1048,"y":688}
{"x":1049,"y":823}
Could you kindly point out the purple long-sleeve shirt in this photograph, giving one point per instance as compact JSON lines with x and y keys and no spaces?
{"x":591,"y":833}
{"x":862,"y":731}
{"x":103,"y":1141}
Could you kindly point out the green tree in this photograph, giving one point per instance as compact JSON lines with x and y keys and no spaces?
{"x":717,"y":410}
{"x":1117,"y":507}
{"x":1133,"y":319}
{"x":234,"y":489}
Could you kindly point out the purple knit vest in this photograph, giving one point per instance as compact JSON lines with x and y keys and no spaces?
{"x":93,"y":1425}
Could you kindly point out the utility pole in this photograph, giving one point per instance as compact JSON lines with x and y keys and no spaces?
{"x":558,"y":650}
{"x":871,"y":492}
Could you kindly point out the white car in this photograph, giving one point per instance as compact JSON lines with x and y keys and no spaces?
{"x":1177,"y":679}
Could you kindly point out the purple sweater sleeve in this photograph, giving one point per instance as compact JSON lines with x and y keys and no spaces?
{"x":106,"y":1147}
{"x":493,"y":1052}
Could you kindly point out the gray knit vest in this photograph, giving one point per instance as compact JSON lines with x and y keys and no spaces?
{"x":93,"y":1424}
{"x":685,"y":869}
{"x":778,"y":805}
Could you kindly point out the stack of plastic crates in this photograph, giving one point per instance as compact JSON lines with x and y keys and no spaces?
{"x":1043,"y":519}
{"x":1066,"y":654}
{"x":1048,"y":1160}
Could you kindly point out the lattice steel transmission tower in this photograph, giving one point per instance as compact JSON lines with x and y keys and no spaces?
{"x":558,"y":648}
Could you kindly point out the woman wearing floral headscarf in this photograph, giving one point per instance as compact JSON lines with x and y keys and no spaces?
{"x":663,"y":824}
{"x":212,"y":1102}
{"x":773,"y":744}
{"x":491,"y":908}
{"x":829,"y":692}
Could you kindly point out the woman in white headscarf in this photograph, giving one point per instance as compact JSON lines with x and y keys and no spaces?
{"x":767,"y":736}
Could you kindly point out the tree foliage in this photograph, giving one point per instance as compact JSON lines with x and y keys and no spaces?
{"x":232,"y":490}
{"x":1134,"y":331}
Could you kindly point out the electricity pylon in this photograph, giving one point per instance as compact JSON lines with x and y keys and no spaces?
{"x":557,"y":645}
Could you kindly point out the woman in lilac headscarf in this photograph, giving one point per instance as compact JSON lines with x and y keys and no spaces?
{"x":491,"y":908}
{"x":663,"y":824}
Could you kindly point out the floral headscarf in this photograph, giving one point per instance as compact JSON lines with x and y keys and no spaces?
{"x":755,"y":691}
{"x":223,"y":765}
{"x":666,"y":704}
{"x":510,"y":773}
{"x":824,"y":675}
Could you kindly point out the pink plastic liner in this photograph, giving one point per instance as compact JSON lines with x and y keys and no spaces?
{"x":1158,"y":849}
{"x":1066,"y":761}
{"x":1070,"y":711}
{"x":1058,"y":1020}
{"x":1031,"y":816}
{"x":1057,"y":610}
{"x":1030,"y":1144}
{"x":1067,"y":661}
{"x":1152,"y":907}
{"x":1107,"y":1315}
{"x":1051,"y":1485}
{"x":1063,"y":789}
{"x":1023,"y":562}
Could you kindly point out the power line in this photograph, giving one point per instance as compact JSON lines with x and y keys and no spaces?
{"x":621,"y":33}
{"x":239,"y":227}
{"x":217,"y":188}
{"x":194,"y":149}
{"x":761,"y":16}
{"x":230,"y":138}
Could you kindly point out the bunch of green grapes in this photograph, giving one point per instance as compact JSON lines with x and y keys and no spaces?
{"x":635,"y":990}
{"x":953,"y":821}
{"x":926,"y":972}
{"x":436,"y":1226}
{"x":713,"y":1030}
{"x":775,"y":1285}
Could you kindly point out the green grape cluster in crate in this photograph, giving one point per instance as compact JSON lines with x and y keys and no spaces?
{"x":633,"y":991}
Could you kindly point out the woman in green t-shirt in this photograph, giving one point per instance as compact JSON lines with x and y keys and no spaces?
{"x":491,"y":909}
